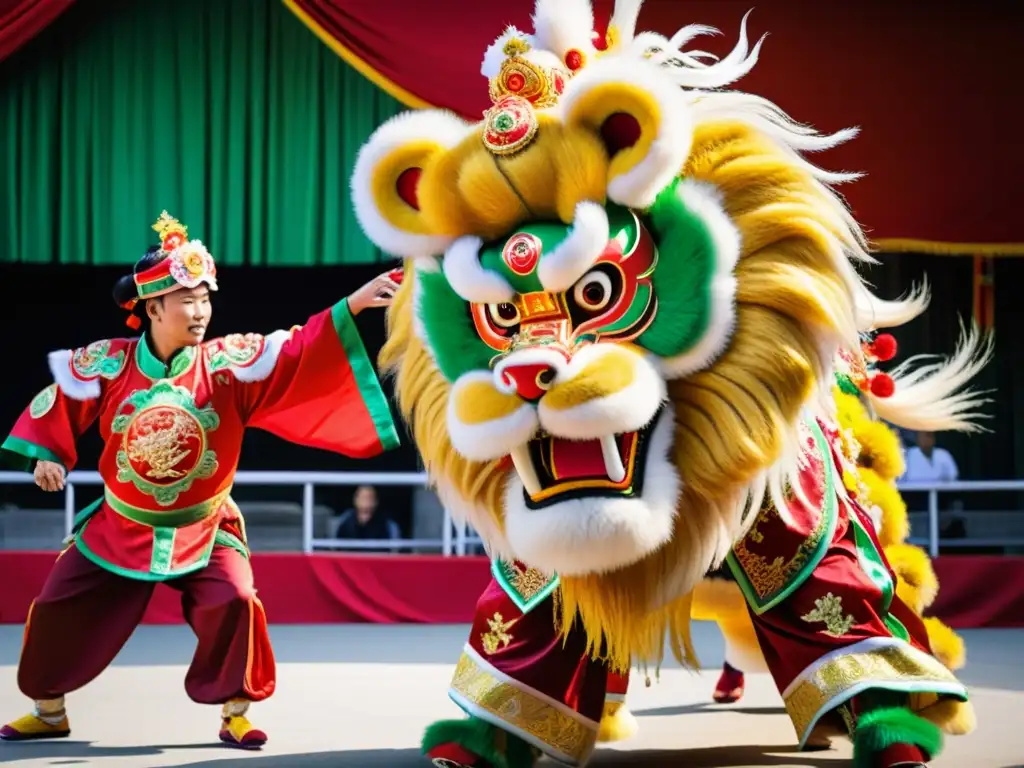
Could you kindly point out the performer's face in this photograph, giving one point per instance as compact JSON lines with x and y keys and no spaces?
{"x":180,"y":318}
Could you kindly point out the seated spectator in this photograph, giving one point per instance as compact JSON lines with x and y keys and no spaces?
{"x":928,"y":463}
{"x":365,"y":522}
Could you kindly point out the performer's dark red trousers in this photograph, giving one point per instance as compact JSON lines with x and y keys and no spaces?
{"x":85,"y":614}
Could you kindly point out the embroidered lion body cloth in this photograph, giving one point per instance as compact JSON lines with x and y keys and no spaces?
{"x":627,"y":292}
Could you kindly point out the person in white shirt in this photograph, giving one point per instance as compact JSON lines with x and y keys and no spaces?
{"x":928,"y":463}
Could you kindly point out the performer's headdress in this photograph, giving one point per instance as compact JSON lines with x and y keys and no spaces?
{"x":184,"y":264}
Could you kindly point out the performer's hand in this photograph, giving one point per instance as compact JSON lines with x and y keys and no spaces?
{"x":379,"y":292}
{"x":49,"y":475}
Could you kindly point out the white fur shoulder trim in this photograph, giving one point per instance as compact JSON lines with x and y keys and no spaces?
{"x":249,"y":359}
{"x":69,"y":384}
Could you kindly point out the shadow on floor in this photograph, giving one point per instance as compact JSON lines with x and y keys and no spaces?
{"x":79,"y":752}
{"x":65,"y":752}
{"x":706,"y":708}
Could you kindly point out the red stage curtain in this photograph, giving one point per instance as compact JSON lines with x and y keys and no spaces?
{"x":21,"y":20}
{"x":975,"y":591}
{"x":932,"y":91}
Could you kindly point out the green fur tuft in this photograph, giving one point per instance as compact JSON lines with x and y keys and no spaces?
{"x":480,"y":738}
{"x":881,"y":728}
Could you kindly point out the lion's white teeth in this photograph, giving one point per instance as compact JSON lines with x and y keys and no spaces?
{"x":612,"y":459}
{"x":524,"y":466}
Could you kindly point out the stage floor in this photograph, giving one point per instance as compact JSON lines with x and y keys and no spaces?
{"x":360,"y":695}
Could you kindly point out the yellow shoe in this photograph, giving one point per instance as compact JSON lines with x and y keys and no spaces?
{"x":237,"y":731}
{"x":31,"y":727}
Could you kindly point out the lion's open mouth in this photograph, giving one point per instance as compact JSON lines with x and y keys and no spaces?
{"x":554,"y":469}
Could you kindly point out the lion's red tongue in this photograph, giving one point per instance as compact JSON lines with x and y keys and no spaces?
{"x":576,"y":459}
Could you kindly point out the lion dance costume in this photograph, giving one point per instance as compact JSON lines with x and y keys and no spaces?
{"x":876,"y":454}
{"x":626,"y":291}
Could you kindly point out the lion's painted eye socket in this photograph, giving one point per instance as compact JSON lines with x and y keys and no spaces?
{"x":504,"y":315}
{"x":593,"y":292}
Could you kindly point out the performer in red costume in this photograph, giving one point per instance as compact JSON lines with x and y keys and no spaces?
{"x":172,"y":410}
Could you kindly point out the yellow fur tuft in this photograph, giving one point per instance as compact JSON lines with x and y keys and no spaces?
{"x":617,"y":723}
{"x":886,"y":496}
{"x":918,"y":585}
{"x":947,"y":645}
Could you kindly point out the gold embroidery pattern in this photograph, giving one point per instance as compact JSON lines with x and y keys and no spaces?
{"x":768,"y":578}
{"x":522,"y":710}
{"x":829,"y":609}
{"x":162,"y":443}
{"x":498,"y":636}
{"x":528,"y":582}
{"x":894,"y":664}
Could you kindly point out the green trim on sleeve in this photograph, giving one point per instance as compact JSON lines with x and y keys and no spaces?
{"x":366,"y":378}
{"x":26,"y":453}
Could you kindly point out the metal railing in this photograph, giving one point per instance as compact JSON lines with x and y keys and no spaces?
{"x":455,"y":539}
{"x":934,"y":489}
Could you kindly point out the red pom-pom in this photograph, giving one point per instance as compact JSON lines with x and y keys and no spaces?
{"x":574,"y":59}
{"x":884,"y":347}
{"x":406,"y":186}
{"x":882,"y":385}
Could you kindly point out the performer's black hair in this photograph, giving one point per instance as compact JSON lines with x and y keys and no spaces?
{"x":125,"y":289}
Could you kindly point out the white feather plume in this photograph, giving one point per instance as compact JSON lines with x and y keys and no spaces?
{"x":495,"y":54}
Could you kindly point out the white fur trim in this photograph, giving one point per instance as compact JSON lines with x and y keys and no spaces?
{"x":69,"y":384}
{"x":264,"y":365}
{"x":468,"y":278}
{"x":447,"y":130}
{"x":491,"y":439}
{"x":560,"y":25}
{"x":587,"y":239}
{"x":495,"y":56}
{"x":638,"y":187}
{"x":596,"y":534}
{"x":705,"y":200}
{"x":625,"y":411}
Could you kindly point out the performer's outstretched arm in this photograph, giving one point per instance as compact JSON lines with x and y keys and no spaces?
{"x":314,"y":384}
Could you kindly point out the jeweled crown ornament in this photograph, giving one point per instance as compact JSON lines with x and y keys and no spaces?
{"x":520,"y":88}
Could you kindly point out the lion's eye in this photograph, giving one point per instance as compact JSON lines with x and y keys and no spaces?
{"x":593,"y":291}
{"x":504,"y":315}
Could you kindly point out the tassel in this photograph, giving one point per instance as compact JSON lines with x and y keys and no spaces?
{"x":133,"y":322}
{"x":882,"y":385}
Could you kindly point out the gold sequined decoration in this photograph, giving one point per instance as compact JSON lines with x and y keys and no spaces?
{"x":526,"y":581}
{"x":768,"y":578}
{"x":892,"y":664}
{"x":498,"y":636}
{"x":523,"y":710}
{"x":829,"y":609}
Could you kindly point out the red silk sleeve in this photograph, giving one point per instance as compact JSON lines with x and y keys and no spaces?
{"x":48,"y":430}
{"x":322,"y":391}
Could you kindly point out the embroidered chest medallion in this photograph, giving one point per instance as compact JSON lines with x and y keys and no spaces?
{"x":164,"y":447}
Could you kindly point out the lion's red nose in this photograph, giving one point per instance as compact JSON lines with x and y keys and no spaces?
{"x":529,"y":380}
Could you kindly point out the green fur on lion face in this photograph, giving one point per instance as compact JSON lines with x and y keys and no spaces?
{"x":456,"y":347}
{"x":672,"y":296}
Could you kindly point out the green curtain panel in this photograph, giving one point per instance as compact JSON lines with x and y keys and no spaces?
{"x":231,"y":115}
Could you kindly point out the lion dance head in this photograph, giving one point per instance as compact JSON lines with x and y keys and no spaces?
{"x":625,"y":285}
